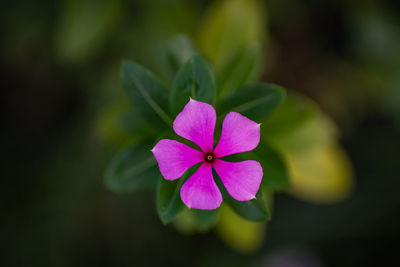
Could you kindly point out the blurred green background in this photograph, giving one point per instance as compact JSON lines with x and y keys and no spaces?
{"x":60,"y":93}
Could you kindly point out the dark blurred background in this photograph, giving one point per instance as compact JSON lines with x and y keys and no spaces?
{"x":59,"y":65}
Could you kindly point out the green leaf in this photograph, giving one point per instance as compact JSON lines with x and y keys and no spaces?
{"x":269,"y":198}
{"x":293,"y":113}
{"x":178,"y":51}
{"x":195,"y":80}
{"x":132,"y":170}
{"x":169,"y":203}
{"x":241,"y":70}
{"x":253,"y":210}
{"x":205,"y":219}
{"x":149,"y":97}
{"x":255,"y":102}
{"x":275,"y":172}
{"x":133,"y":123}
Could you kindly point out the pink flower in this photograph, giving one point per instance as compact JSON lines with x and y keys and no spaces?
{"x":197,"y":123}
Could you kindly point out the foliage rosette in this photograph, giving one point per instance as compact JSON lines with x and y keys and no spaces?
{"x":153,"y":120}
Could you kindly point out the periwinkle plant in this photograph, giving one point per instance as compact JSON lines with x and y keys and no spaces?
{"x":181,"y":173}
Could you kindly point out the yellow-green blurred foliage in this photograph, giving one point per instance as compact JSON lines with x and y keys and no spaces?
{"x":84,"y":27}
{"x":242,"y":235}
{"x":320,"y":171}
{"x":223,"y":32}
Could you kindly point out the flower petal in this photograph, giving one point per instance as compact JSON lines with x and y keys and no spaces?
{"x":241,"y":179}
{"x":200,"y":190}
{"x":175,"y":158}
{"x":196,"y":123}
{"x":239,"y":134}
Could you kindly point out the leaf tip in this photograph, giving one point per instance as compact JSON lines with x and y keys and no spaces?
{"x":125,"y":63}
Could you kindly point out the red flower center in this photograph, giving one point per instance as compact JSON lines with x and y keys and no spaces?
{"x":209,"y":157}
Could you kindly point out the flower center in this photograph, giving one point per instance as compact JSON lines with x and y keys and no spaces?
{"x":209,"y":157}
